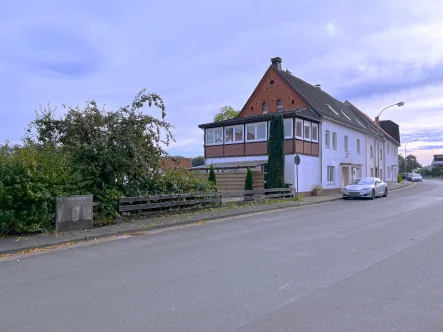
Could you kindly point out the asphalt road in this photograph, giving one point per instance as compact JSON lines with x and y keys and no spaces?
{"x":339,"y":266}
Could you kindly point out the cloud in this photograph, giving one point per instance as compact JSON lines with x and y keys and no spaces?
{"x":205,"y":54}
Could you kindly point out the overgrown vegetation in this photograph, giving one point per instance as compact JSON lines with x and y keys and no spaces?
{"x":276,"y":155}
{"x":88,"y":150}
{"x":399,"y":178}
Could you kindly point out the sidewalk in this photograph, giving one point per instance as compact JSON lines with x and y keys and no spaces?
{"x":11,"y":245}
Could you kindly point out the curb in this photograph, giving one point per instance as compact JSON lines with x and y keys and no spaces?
{"x":88,"y":238}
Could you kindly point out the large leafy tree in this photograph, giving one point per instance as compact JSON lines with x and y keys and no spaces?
{"x":226,"y":113}
{"x":198,"y":161}
{"x":111,"y":149}
{"x":411,"y":163}
{"x":276,"y":154}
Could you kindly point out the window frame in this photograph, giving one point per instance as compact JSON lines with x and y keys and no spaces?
{"x":279,"y":105}
{"x":334,"y":135}
{"x":327,"y":139}
{"x":328,"y":180}
{"x":214,"y":130}
{"x":256,"y":124}
{"x":381,"y":154}
{"x":358,"y":146}
{"x":315,"y":125}
{"x":346,"y":143}
{"x":305,"y":125}
{"x":292,"y":128}
{"x":233,"y":134}
{"x":302,"y":129}
{"x":264,"y":108}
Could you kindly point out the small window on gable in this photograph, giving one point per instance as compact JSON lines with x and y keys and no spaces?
{"x":358,"y":146}
{"x":333,"y":110}
{"x":279,"y":105}
{"x":327,"y":138}
{"x":299,"y":129}
{"x":346,"y":143}
{"x":264,"y":108}
{"x":370,"y":152}
{"x":334,"y":140}
{"x":315,"y":132}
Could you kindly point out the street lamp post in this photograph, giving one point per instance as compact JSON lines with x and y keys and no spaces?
{"x":414,"y":140}
{"x":377,"y":120}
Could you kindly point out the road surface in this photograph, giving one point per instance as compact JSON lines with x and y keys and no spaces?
{"x":339,"y":266}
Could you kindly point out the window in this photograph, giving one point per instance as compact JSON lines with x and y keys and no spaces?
{"x":334,"y":140}
{"x":381,"y":175}
{"x":333,"y":110}
{"x":327,"y":138}
{"x":370,"y":153}
{"x":264,"y":108}
{"x":234,"y":134}
{"x":315,"y":132}
{"x":256,"y":132}
{"x":358,"y":146}
{"x":299,"y":129}
{"x":307,"y":131}
{"x":346,"y":143}
{"x":389,"y":172}
{"x":214,"y":136}
{"x":279,"y":105}
{"x":381,"y":154}
{"x":288,"y":128}
{"x":330,"y":176}
{"x":372,"y":172}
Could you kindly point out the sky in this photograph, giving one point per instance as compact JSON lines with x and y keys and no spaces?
{"x":200,"y":55}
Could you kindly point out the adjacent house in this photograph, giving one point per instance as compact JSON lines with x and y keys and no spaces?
{"x":336,"y":142}
{"x":438,"y":160}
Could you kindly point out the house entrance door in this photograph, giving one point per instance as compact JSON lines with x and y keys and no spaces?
{"x":345,"y":176}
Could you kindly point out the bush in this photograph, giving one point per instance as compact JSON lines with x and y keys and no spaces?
{"x":211,"y":176}
{"x":30,"y":178}
{"x":399,"y":178}
{"x":249,"y":181}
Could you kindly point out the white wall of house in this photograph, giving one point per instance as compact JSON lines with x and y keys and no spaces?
{"x":338,"y":156}
{"x":391,"y":162}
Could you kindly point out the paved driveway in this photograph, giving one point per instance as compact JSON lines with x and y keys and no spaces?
{"x":339,"y":266}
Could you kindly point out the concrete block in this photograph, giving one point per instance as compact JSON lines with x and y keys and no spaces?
{"x":73,"y":213}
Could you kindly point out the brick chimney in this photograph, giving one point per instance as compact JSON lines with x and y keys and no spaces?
{"x":276,"y":62}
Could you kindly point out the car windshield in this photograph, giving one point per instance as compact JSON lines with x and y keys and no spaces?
{"x":363,"y":181}
{"x":416,"y":175}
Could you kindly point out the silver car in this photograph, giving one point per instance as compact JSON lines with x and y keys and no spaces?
{"x":365,"y":187}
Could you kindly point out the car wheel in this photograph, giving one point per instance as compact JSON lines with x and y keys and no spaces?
{"x":373,"y":194}
{"x":386,"y":192}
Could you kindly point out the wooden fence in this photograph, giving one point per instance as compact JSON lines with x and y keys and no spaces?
{"x":234,"y":181}
{"x":174,"y":202}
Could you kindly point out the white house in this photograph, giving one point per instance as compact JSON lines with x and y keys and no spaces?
{"x":336,"y":142}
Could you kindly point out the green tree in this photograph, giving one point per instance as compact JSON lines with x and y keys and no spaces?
{"x":276,"y":155}
{"x":198,"y":161}
{"x":226,"y":113}
{"x":113,"y":150}
{"x":437,"y":172}
{"x":411,"y":163}
{"x":249,"y":181}
{"x":211,"y":176}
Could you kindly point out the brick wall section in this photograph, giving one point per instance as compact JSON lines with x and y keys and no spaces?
{"x":256,"y":149}
{"x":234,"y":150}
{"x":214,"y":151}
{"x":289,"y":146}
{"x":176,"y":163}
{"x":270,"y":93}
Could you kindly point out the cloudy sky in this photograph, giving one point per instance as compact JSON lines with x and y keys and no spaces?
{"x":200,"y":55}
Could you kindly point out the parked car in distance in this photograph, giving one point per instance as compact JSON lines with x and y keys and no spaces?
{"x":405,"y":176}
{"x":365,"y":187}
{"x":415,"y":178}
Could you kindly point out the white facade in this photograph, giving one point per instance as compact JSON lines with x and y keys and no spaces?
{"x":343,"y":155}
{"x":382,"y":155}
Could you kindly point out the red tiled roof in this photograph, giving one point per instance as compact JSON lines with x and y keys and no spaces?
{"x":176,"y":163}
